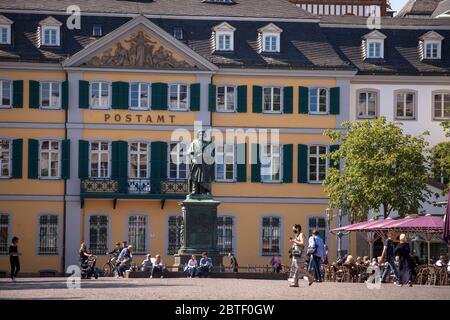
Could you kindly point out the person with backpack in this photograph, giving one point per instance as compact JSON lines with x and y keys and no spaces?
{"x":316,"y":252}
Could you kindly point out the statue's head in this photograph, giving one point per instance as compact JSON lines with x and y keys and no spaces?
{"x":201,"y":135}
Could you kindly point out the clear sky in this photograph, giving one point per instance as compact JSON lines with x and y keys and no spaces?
{"x":398,"y":4}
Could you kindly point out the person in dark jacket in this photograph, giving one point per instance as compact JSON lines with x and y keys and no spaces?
{"x":14,"y":258}
{"x":233,"y":262}
{"x":406,"y":263}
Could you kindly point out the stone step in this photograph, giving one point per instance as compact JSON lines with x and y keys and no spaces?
{"x":223,"y":275}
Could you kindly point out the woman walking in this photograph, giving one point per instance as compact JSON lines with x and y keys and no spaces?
{"x":406,"y":264}
{"x":298,"y":256}
{"x":14,"y":258}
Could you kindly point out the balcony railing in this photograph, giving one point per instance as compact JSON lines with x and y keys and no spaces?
{"x":139,"y":186}
{"x":99,"y":185}
{"x":175,"y":186}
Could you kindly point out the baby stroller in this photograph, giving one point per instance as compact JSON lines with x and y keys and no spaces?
{"x":88,"y":268}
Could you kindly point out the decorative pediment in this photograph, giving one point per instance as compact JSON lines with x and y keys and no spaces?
{"x":270,"y":28}
{"x":375,"y":35}
{"x":432,"y":35}
{"x":139,"y":50}
{"x":5,"y":21}
{"x":224,"y":26}
{"x":50,"y":21}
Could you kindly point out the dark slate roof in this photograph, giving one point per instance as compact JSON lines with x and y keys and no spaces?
{"x":443,"y":7}
{"x":242,"y":8}
{"x":386,"y":22}
{"x":418,"y":7}
{"x":401,"y":55}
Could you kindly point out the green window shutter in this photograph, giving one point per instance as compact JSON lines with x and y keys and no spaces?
{"x":303,"y":97}
{"x":65,"y":159}
{"x":242,"y":99}
{"x":124,"y":95}
{"x":33,"y":159}
{"x":65,"y":94}
{"x":302,"y":163}
{"x":159,"y":96}
{"x":212,"y":97}
{"x":34,"y":94}
{"x":335,"y":96}
{"x":256,"y":165}
{"x":83,"y":94}
{"x":116,"y":96}
{"x":17,"y":155}
{"x":331,"y":162}
{"x":288,"y":96}
{"x":83,"y":159}
{"x":119,"y":169}
{"x":287,"y":162}
{"x":241,"y":166}
{"x":257,"y":99}
{"x":17,"y":94}
{"x":194,"y":102}
{"x":158,"y":165}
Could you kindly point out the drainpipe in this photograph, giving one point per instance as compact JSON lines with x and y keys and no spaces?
{"x":63,"y":255}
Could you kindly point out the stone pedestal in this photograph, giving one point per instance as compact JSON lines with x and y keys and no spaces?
{"x":199,"y":229}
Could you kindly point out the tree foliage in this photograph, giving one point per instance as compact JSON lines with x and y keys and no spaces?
{"x":440,"y":159}
{"x":384,"y":169}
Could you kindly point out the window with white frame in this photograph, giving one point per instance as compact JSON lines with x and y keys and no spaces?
{"x":270,"y":162}
{"x":97,"y":30}
{"x":50,"y":95}
{"x":5,"y":34}
{"x":50,"y":36}
{"x":139,"y":160}
{"x":271,"y":236}
{"x":432,"y":50}
{"x":98,"y":234}
{"x":272,"y":99}
{"x":99,"y":159}
{"x":137,"y":233}
{"x":178,"y":33}
{"x":320,"y":225}
{"x":226,"y":98}
{"x":405,"y":105}
{"x":317,"y":163}
{"x":375,"y":48}
{"x":367,"y":104}
{"x":5,"y":93}
{"x":318,"y":100}
{"x":271,"y":42}
{"x":140,"y":95}
{"x":5,"y":158}
{"x":4,"y":233}
{"x":48,"y":234}
{"x":441,"y":106}
{"x":99,"y":95}
{"x":178,"y":97}
{"x":178,"y":163}
{"x":173,"y":233}
{"x":224,"y":41}
{"x":49,"y":159}
{"x":225,"y":235}
{"x":225,"y":162}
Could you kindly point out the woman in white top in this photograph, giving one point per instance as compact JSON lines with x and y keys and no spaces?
{"x":191,"y":267}
{"x":298,"y":256}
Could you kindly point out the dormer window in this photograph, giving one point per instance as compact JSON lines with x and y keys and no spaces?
{"x":224,"y":37}
{"x":430,"y":45}
{"x":50,"y":32}
{"x":269,"y":37}
{"x":178,"y":33}
{"x":5,"y":30}
{"x":97,"y":30}
{"x":373,"y":44}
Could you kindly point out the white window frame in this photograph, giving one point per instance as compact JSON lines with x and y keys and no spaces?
{"x":9,"y":159}
{"x":327,"y":106}
{"x":438,"y":49}
{"x":179,"y":148}
{"x":50,"y":152}
{"x":377,"y":101}
{"x":139,"y":153}
{"x":374,"y":41}
{"x":414,"y":104}
{"x":233,"y":220}
{"x":41,"y":94}
{"x":8,"y":232}
{"x":171,"y":108}
{"x":8,"y":33}
{"x":442,"y":94}
{"x":57,"y":36}
{"x":317,"y":157}
{"x":99,"y":152}
{"x":10,"y":94}
{"x":222,"y":155}
{"x":225,"y":86}
{"x":224,"y":34}
{"x":272,"y":100}
{"x":178,"y":30}
{"x":178,"y":220}
{"x":140,"y":83}
{"x":99,"y":27}
{"x":270,"y":165}
{"x":91,"y":90}
{"x":267,"y":35}
{"x":325,"y":230}
{"x":38,"y":244}
{"x":138,"y":226}
{"x":280,"y":238}
{"x":108,"y":231}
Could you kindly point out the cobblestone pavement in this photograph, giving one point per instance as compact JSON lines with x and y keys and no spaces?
{"x":175,"y":288}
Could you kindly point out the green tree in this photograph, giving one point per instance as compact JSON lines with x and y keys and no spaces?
{"x":440,"y":159}
{"x":384,"y":169}
{"x":446,"y":125}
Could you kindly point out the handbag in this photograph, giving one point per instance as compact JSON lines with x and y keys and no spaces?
{"x":312,"y":250}
{"x":297,"y":253}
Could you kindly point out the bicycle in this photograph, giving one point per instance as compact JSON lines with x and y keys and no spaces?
{"x":110,"y":266}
